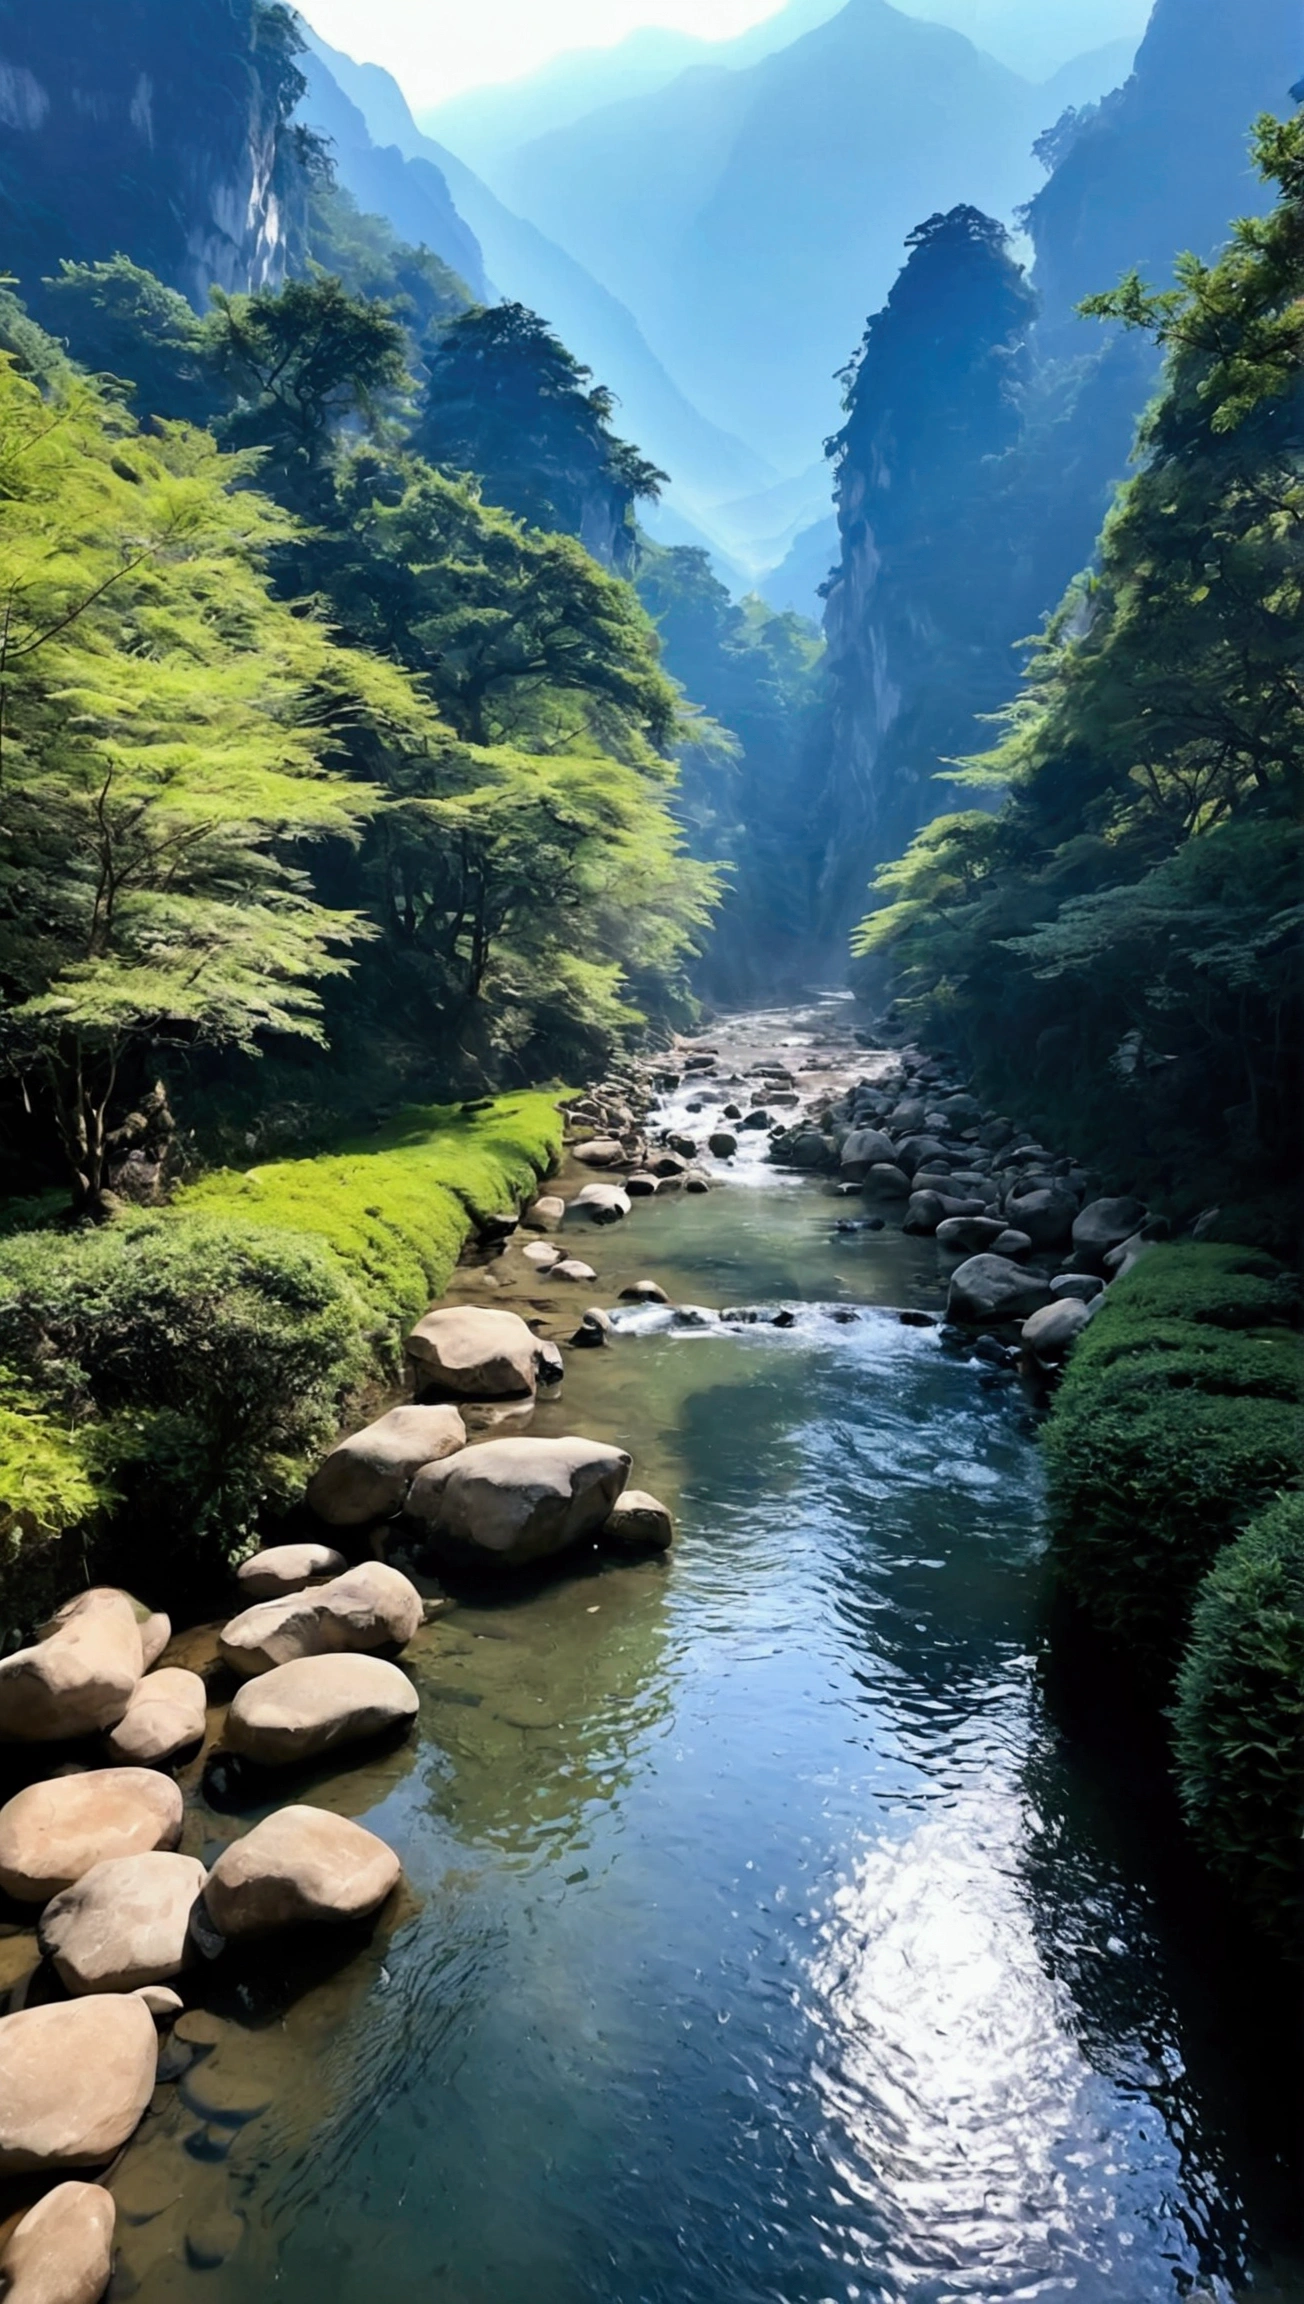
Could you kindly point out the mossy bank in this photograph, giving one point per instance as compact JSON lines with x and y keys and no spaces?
{"x":166,"y":1376}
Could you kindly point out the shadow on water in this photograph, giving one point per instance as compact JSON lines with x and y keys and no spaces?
{"x":767,"y":1933}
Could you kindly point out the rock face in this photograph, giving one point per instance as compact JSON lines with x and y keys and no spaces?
{"x":303,"y":1864}
{"x":124,"y":1924}
{"x":78,"y":1681}
{"x":1052,"y":1333}
{"x":286,"y":1568}
{"x":990,"y":1289}
{"x":371,"y":1606}
{"x":75,"y":2078}
{"x":317,"y":1705}
{"x":52,"y":1833}
{"x":638,"y":1523}
{"x":509,"y":1502}
{"x":62,"y":2252}
{"x":1102,"y":1225}
{"x":478,"y":1354}
{"x":167,"y":1713}
{"x":368,"y":1476}
{"x":603,"y":1203}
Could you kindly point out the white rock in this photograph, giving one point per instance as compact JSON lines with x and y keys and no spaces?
{"x":478,"y":1354}
{"x":508,"y":1502}
{"x":368,"y":1475}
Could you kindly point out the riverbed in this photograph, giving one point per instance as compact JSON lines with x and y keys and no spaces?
{"x":764,"y":1935}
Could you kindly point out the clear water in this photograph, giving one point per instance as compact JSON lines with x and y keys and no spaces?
{"x":764,"y":1936}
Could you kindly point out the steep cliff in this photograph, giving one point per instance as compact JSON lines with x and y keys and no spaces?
{"x":955,"y":550}
{"x":158,"y":129}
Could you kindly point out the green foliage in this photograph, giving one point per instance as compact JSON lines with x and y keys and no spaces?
{"x":1132,"y":914}
{"x":165,"y":733}
{"x":206,"y":1361}
{"x":120,"y":321}
{"x":396,"y":1209}
{"x":301,"y":363}
{"x":507,"y":402}
{"x":1171,"y":1428}
{"x":1239,"y":1717}
{"x":183,"y":1366}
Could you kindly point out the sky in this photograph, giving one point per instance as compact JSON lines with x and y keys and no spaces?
{"x":434,"y":48}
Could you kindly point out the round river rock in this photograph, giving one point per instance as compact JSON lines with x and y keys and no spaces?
{"x":300,"y":1865}
{"x":50,"y":1834}
{"x":316,"y":1705}
{"x":75,"y":2078}
{"x":124,"y":1924}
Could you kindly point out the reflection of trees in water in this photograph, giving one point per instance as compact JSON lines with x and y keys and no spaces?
{"x":1156,"y":2010}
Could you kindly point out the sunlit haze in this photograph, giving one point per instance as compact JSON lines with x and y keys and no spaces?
{"x":434,"y":50}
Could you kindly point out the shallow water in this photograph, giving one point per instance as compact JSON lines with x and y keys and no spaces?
{"x":764,"y":1936}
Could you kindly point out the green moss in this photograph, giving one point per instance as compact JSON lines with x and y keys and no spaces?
{"x":188,"y":1362}
{"x":1178,"y":1419}
{"x":397,"y":1209}
{"x":1239,"y":1717}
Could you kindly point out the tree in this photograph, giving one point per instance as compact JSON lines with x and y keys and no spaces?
{"x":166,"y":739}
{"x":301,"y":364}
{"x":506,"y":401}
{"x":1135,"y":908}
{"x":120,"y":321}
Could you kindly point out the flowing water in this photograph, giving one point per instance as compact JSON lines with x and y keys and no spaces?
{"x":765,"y":1938}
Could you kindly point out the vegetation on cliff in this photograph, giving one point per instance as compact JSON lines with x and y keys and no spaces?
{"x":1130,"y":912}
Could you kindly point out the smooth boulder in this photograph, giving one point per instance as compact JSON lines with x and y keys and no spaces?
{"x":368,"y":1475}
{"x":572,"y":1269}
{"x":286,"y":1568}
{"x":477,"y":1353}
{"x":155,"y":1627}
{"x":638,"y":1523}
{"x":509,"y":1502}
{"x":124,"y":1924}
{"x":75,"y":2078}
{"x":1082,"y":1285}
{"x":52,"y":1833}
{"x":300,"y":1865}
{"x":546,"y":1213}
{"x":317,"y":1705}
{"x":78,"y":1681}
{"x":371,"y":1606}
{"x":1052,"y":1333}
{"x":1102,"y":1225}
{"x":989,"y":1289}
{"x":601,"y":1152}
{"x":885,"y":1181}
{"x":969,"y":1235}
{"x":867,"y":1148}
{"x":602,"y":1203}
{"x":1046,"y":1214}
{"x":62,"y":2251}
{"x":166,"y":1715}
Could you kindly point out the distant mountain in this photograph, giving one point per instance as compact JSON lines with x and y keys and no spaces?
{"x":522,"y":263}
{"x":750,"y":217}
{"x":1037,"y":37}
{"x":412,"y":194}
{"x":1085,"y":79}
{"x":485,"y":125}
{"x":808,"y":564}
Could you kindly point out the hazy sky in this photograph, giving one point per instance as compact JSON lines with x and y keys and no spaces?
{"x":434,"y":47}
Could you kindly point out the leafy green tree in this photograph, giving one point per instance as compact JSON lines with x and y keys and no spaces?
{"x":166,"y":732}
{"x":1132,"y":913}
{"x":119,"y":320}
{"x":506,"y":401}
{"x":302,"y":364}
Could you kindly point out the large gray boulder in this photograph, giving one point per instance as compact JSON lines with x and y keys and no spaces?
{"x":885,"y":1181}
{"x":286,"y":1568}
{"x":124,"y":1924}
{"x":914,"y":1152}
{"x":300,"y":1865}
{"x":1046,"y":1214}
{"x":75,"y":2078}
{"x":371,"y":1606}
{"x":1051,"y":1334}
{"x":638,"y":1524}
{"x":969,"y":1235}
{"x":167,"y":1714}
{"x":368,"y":1475}
{"x":62,"y":2251}
{"x":317,"y":1704}
{"x":866,"y":1148}
{"x":926,"y":1212}
{"x":508,"y":1502}
{"x":1102,"y":1225}
{"x":52,"y":1833}
{"x":988,"y":1290}
{"x":475,"y":1352}
{"x":1084,"y":1286}
{"x":79,"y":1680}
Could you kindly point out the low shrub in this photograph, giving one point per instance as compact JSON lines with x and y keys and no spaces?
{"x":1238,"y":1720}
{"x":184,"y":1364}
{"x":49,"y":1482}
{"x":1178,"y":1419}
